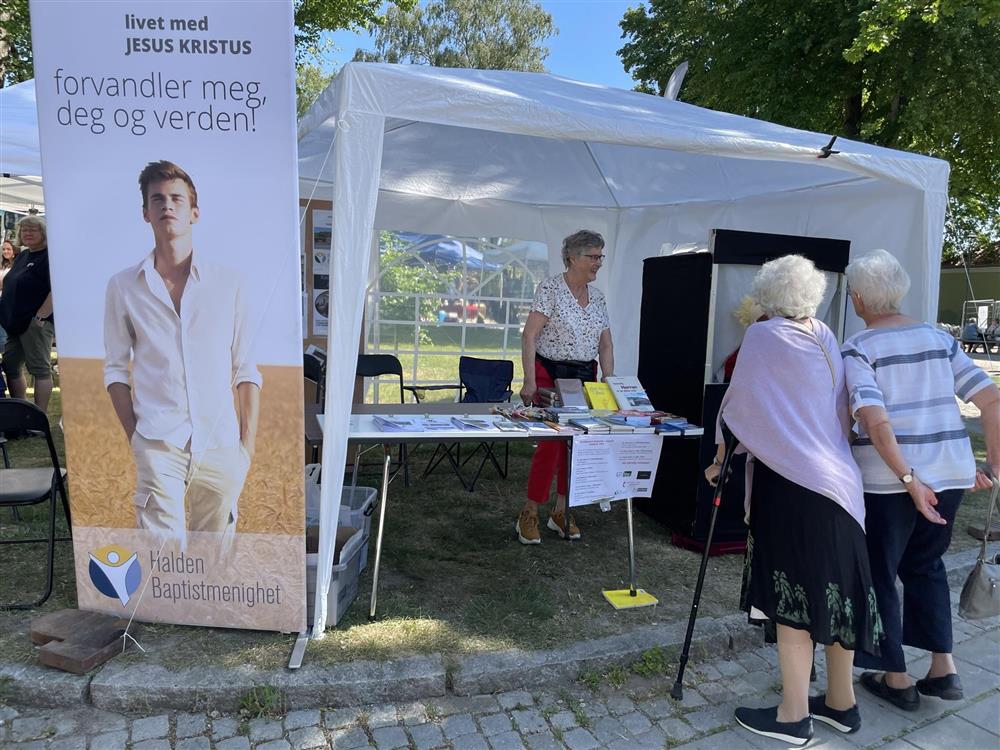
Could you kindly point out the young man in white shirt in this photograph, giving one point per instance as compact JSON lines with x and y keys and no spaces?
{"x":183,"y":323}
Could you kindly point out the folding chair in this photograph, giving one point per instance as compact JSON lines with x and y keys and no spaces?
{"x":314,"y":370}
{"x":378,"y":365}
{"x":482,"y":381}
{"x":23,"y":487}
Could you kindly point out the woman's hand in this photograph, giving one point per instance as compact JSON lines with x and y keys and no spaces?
{"x":925,"y":500}
{"x":528,"y":390}
{"x":983,"y":480}
{"x":712,"y":473}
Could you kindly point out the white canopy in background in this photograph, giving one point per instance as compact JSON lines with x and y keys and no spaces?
{"x":536,"y":157}
{"x":20,"y":161}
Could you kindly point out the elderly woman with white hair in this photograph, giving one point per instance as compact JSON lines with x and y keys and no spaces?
{"x":807,"y":563}
{"x":916,"y":461}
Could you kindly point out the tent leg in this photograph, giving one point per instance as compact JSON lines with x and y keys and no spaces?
{"x":631,"y":551}
{"x":387,"y":457}
{"x":299,"y":650}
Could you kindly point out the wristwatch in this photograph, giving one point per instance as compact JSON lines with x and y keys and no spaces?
{"x":907,"y":478}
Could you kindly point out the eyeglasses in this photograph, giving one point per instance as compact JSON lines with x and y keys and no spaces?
{"x":595,"y":258}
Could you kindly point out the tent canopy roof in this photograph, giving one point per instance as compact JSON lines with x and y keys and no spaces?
{"x":20,"y":161}
{"x":539,"y":139}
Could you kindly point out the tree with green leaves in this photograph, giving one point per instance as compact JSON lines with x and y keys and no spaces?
{"x":913,"y":76}
{"x":484,"y":34}
{"x":310,"y":82}
{"x":15,"y":43}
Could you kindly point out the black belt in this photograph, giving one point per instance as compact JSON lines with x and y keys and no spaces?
{"x":574,"y":369}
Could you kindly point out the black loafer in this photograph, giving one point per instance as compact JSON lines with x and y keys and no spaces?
{"x":848,"y":721}
{"x":764,"y":721}
{"x":947,"y":688}
{"x":907,"y":699}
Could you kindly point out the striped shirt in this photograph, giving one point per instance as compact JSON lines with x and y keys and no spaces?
{"x":913,"y":372}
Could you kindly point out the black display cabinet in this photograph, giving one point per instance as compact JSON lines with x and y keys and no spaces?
{"x":680,"y":314}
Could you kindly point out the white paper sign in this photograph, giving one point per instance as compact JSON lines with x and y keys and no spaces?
{"x":613,"y":467}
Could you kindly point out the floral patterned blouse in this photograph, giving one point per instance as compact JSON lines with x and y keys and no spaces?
{"x":572,"y":332}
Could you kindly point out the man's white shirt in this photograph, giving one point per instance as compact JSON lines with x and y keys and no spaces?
{"x":184,"y":367}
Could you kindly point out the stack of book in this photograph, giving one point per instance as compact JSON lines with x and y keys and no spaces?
{"x":629,"y":393}
{"x":591,"y":425}
{"x":600,"y":397}
{"x":538,"y":427}
{"x":678,"y":426}
{"x":571,"y":392}
{"x":563,"y":414}
{"x":547,"y":397}
{"x":619,"y":423}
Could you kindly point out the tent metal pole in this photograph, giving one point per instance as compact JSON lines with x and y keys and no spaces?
{"x":387,"y":457}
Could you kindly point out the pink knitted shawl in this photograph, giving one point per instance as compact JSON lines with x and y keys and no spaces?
{"x":787,"y":404}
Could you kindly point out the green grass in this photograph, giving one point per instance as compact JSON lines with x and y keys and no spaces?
{"x":261,"y":701}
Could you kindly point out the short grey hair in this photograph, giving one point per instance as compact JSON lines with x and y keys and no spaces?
{"x":879,"y":280}
{"x":31,"y":221}
{"x":574,"y":245}
{"x":789,"y":287}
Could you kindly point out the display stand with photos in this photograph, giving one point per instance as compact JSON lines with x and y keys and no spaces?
{"x":316,"y":243}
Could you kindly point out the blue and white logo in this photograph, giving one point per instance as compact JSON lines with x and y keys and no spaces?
{"x":115,"y":572}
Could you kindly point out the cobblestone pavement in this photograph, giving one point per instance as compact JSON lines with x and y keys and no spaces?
{"x":623,"y":711}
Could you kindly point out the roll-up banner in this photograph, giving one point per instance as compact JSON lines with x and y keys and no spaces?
{"x":168,"y":154}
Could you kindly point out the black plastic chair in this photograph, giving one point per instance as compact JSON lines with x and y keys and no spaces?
{"x":314,"y":370}
{"x":23,"y":487}
{"x":380,"y":365}
{"x":482,"y":381}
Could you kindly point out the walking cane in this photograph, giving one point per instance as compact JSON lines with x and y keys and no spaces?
{"x":730,"y":441}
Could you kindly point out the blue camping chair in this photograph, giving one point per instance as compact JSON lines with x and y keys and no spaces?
{"x":481,"y":381}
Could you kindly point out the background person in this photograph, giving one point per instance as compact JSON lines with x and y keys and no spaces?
{"x":971,"y":335}
{"x":566,"y":330}
{"x":7,"y":254}
{"x":916,"y":461}
{"x":807,"y":564}
{"x":26,"y":314}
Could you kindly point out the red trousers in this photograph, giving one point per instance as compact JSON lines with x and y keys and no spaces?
{"x":551,"y":456}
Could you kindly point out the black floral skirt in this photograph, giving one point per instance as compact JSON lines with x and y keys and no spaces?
{"x":807,"y":566}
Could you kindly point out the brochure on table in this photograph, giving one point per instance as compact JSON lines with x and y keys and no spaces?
{"x":613,"y":467}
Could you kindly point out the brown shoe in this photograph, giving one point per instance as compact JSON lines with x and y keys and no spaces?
{"x":558,"y":524}
{"x":527,"y":528}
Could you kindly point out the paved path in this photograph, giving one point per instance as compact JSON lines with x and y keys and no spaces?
{"x":638,"y":714}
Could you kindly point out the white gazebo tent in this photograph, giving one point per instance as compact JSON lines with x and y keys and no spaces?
{"x":534,"y":156}
{"x":20,"y":162}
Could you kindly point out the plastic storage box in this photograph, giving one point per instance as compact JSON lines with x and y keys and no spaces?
{"x":343,"y":581}
{"x":357,"y":504}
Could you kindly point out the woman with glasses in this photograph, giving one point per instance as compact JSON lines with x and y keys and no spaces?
{"x":26,"y":314}
{"x":565,"y":334}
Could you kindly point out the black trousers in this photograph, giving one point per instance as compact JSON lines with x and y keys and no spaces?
{"x":903,"y":543}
